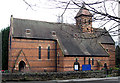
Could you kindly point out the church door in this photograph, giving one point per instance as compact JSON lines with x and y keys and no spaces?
{"x":21,"y":66}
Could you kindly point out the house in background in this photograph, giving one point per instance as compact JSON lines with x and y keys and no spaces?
{"x":45,"y":46}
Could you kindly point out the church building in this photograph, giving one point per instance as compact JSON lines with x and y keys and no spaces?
{"x":38,"y":46}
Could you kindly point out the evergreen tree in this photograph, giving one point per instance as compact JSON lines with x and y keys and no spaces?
{"x":0,"y":50}
{"x":5,"y":37}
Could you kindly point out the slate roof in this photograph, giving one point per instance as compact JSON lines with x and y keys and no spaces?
{"x":70,"y":38}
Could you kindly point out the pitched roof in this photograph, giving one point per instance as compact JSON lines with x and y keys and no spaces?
{"x":71,"y":40}
{"x":83,"y":11}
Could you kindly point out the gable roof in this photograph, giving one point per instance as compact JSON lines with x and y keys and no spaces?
{"x":70,"y":38}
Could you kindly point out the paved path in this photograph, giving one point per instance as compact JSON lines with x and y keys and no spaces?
{"x":90,"y":80}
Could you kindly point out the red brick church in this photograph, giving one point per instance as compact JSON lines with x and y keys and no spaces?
{"x":45,"y":46}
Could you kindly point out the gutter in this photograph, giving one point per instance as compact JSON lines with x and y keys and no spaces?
{"x":34,"y":38}
{"x":86,"y":55}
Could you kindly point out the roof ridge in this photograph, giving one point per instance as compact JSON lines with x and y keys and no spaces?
{"x":42,"y":21}
{"x":32,"y":20}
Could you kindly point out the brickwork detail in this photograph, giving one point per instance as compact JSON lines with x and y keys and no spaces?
{"x":31,"y":52}
{"x":110,"y":49}
{"x":30,"y":56}
{"x":84,"y":23}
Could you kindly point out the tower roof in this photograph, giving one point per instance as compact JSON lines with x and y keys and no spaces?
{"x":83,"y":11}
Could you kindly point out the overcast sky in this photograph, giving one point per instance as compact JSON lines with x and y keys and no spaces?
{"x":19,"y":9}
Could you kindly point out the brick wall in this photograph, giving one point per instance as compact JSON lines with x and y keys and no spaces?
{"x":30,"y":54}
{"x":111,"y":51}
{"x":66,"y":63}
{"x":83,"y":23}
{"x":69,"y":62}
{"x":60,"y":58}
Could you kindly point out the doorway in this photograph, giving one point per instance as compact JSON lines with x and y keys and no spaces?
{"x":21,"y":66}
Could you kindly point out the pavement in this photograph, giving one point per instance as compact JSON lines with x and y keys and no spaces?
{"x":88,"y":80}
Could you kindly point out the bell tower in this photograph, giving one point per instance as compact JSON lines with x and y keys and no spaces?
{"x":84,"y":20}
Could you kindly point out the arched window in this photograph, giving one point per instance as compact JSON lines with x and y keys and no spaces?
{"x":92,"y":61}
{"x":76,"y":65}
{"x":48,"y":52}
{"x":89,"y":61}
{"x":39,"y":52}
{"x":84,"y":60}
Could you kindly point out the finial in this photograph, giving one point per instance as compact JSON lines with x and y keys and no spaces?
{"x":11,"y":15}
{"x":83,"y":5}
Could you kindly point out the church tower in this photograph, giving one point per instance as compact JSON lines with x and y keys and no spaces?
{"x":84,"y":20}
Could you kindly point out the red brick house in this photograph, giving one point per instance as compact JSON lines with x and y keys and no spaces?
{"x":45,"y":46}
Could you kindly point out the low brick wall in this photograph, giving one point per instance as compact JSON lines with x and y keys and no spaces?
{"x":42,"y":76}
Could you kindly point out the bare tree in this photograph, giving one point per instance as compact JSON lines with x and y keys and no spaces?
{"x":105,"y":12}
